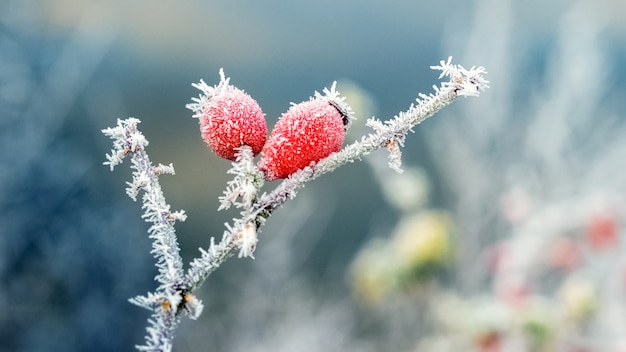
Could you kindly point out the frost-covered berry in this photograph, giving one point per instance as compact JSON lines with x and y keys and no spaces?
{"x":229,"y":118}
{"x":306,"y":133}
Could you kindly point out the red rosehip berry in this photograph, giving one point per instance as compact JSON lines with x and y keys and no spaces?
{"x":305,"y":134}
{"x":229,"y":118}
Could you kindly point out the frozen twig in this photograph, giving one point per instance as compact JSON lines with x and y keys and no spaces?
{"x":127,"y":140}
{"x":174,"y":294}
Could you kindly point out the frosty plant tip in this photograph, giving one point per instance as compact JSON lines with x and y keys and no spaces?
{"x":305,"y":143}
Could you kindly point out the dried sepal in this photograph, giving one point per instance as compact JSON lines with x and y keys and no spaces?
{"x":192,"y":305}
{"x":395,"y":156}
{"x":246,"y":240}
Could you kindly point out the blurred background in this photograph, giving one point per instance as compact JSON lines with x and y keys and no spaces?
{"x":503,"y":233}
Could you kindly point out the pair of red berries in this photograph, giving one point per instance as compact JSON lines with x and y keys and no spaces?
{"x":306,"y":133}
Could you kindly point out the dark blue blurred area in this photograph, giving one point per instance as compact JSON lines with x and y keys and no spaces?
{"x":71,"y":254}
{"x":73,"y":247}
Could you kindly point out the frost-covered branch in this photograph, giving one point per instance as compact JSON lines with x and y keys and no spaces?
{"x":129,"y":141}
{"x":225,"y":113}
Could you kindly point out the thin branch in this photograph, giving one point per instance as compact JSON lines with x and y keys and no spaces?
{"x":130,"y":141}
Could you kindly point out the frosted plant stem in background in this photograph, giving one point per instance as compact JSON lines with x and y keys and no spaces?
{"x":174,"y":294}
